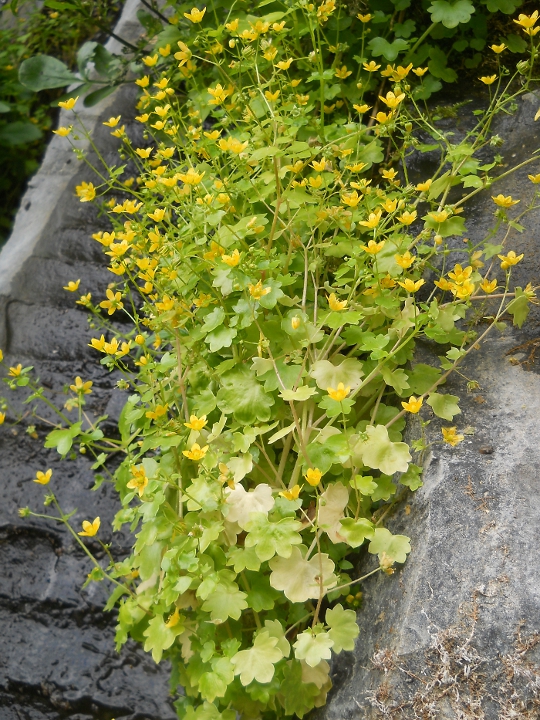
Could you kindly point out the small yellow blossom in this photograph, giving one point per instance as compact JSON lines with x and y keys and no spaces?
{"x":419,"y":72}
{"x":232,"y":26}
{"x":157,"y":215}
{"x":407,"y":218}
{"x":219,"y":94}
{"x":165,"y":51}
{"x":159,"y":411}
{"x":504,"y":202}
{"x":450,"y":436}
{"x":371,"y":66}
{"x":405,"y":261}
{"x":295,"y":322}
{"x":364,"y":18}
{"x":413,"y":405}
{"x":80,"y":387}
{"x":233,"y":144}
{"x":372,"y":221}
{"x":534,"y":178}
{"x":90,"y":528}
{"x":498,"y":48}
{"x":335,"y":304}
{"x":316,"y":182}
{"x":313,"y":476}
{"x":362,"y":108}
{"x":113,"y":302}
{"x":143,"y":82}
{"x":411,"y":286}
{"x":270,"y":53}
{"x":373,"y":247}
{"x":196,"y":423}
{"x":271,"y":96}
{"x":196,"y":453}
{"x":339,"y":393}
{"x":191,"y":177}
{"x":424,"y":187}
{"x":302,"y":99}
{"x":73,"y":285}
{"x":391,"y":100}
{"x":342,"y":73}
{"x":63,"y":131}
{"x":527,"y":21}
{"x":2,"y":418}
{"x":389,"y":205}
{"x":443,"y":284}
{"x":488,"y":286}
{"x":42,"y":478}
{"x":112,"y":121}
{"x":278,"y":27}
{"x":284,"y":64}
{"x":382,"y":117}
{"x":138,"y":480}
{"x":319,"y":166}
{"x":509,"y":260}
{"x":231,"y":260}
{"x":15,"y":371}
{"x":85,"y":192}
{"x":195,"y":15}
{"x":68,"y":104}
{"x":258,"y":291}
{"x":488,"y":79}
{"x":357,"y":167}
{"x":291,"y":494}
{"x":440,"y":216}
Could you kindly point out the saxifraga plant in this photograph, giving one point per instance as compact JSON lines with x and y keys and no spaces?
{"x":271,"y":251}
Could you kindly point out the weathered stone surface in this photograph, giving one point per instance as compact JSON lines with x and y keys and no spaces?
{"x":58,"y":657}
{"x":453,"y":633}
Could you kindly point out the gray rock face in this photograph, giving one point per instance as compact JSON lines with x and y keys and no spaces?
{"x":454,"y":633}
{"x":58,"y":658}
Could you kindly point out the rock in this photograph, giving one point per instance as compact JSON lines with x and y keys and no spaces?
{"x":59,"y":658}
{"x":453,"y":634}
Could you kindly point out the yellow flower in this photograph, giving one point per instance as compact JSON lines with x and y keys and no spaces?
{"x":80,"y":387}
{"x":357,"y":167}
{"x":139,"y":480}
{"x":85,"y":192}
{"x":15,"y":371}
{"x":339,"y":393}
{"x":278,"y":27}
{"x":413,"y":405}
{"x":73,"y":285}
{"x":112,"y":121}
{"x":42,"y":478}
{"x":271,"y":96}
{"x":196,"y":423}
{"x":389,"y":205}
{"x":113,"y":302}
{"x":488,"y":79}
{"x":504,"y":202}
{"x":165,"y":51}
{"x":316,"y":182}
{"x":391,"y":100}
{"x":157,"y":215}
{"x":63,"y":131}
{"x":352,"y":199}
{"x":295,"y":322}
{"x":302,"y":99}
{"x":195,"y":15}
{"x":191,"y":177}
{"x":233,"y":145}
{"x":527,"y":21}
{"x":424,"y":187}
{"x":335,"y":304}
{"x":450,"y":436}
{"x":372,"y":221}
{"x":68,"y":104}
{"x":2,"y":417}
{"x":459,"y":274}
{"x":509,"y":260}
{"x":231,"y":260}
{"x":291,"y":494}
{"x":150,"y":60}
{"x":284,"y":64}
{"x":405,"y":261}
{"x":319,"y":166}
{"x":488,"y":286}
{"x":342,"y":73}
{"x":407,"y":217}
{"x":364,"y":18}
{"x":420,"y":71}
{"x":232,"y":26}
{"x":219,"y":94}
{"x":90,"y":528}
{"x":362,"y":108}
{"x":258,"y":291}
{"x":534,"y":178}
{"x":382,"y":117}
{"x":410,"y":286}
{"x":270,"y":54}
{"x":498,"y":48}
{"x":313,"y":476}
{"x":196,"y":453}
{"x":371,"y":66}
{"x":439,"y":217}
{"x":373,"y":247}
{"x":443,"y":284}
{"x":184,"y":55}
{"x":143,"y":82}
{"x":159,"y":411}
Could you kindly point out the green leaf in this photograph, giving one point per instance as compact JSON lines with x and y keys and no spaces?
{"x":97,"y":96}
{"x":453,"y":226}
{"x":395,"y":378}
{"x":326,"y":374}
{"x":19,"y":133}
{"x":44,"y":72}
{"x":444,"y":406}
{"x":159,"y":637}
{"x":215,"y":683}
{"x":220,"y":338}
{"x":297,"y":696}
{"x":422,"y":378}
{"x":343,"y":628}
{"x":304,"y":392}
{"x":395,"y":546}
{"x":508,"y":7}
{"x":243,"y":504}
{"x":243,"y":559}
{"x":261,"y":596}
{"x":356,"y":531}
{"x":332,"y":504}
{"x":472,"y":181}
{"x":451,"y":14}
{"x":371,"y":153}
{"x":365,"y":484}
{"x":225,"y":601}
{"x":385,"y":488}
{"x":411,"y":478}
{"x":519,"y":307}
{"x":299,"y":579}
{"x":390,"y":51}
{"x":242,"y":396}
{"x":272,"y":538}
{"x":257,"y":662}
{"x":207,"y":711}
{"x":377,"y":451}
{"x":334,"y":408}
{"x":313,"y":648}
{"x":62,"y":439}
